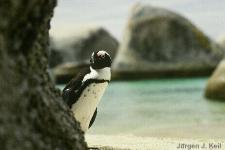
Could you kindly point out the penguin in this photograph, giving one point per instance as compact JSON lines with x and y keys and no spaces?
{"x":84,"y":92}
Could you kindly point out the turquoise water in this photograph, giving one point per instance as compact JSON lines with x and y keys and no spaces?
{"x":162,"y":108}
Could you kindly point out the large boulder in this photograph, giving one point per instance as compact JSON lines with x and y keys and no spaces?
{"x":76,"y":51}
{"x":55,"y":57}
{"x":215,"y":88}
{"x":221,"y":41}
{"x":159,"y":42}
{"x":33,"y":115}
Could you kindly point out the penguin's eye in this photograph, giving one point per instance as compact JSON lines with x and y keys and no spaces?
{"x":101,"y":57}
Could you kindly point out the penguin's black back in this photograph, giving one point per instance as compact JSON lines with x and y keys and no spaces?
{"x":75,"y":87}
{"x":72,"y":90}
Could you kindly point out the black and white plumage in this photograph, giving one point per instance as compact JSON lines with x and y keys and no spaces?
{"x":83,"y":93}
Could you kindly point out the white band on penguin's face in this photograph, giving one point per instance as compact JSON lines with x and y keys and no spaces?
{"x":92,"y":55}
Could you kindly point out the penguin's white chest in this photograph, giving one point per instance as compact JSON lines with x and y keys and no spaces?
{"x":84,"y":108}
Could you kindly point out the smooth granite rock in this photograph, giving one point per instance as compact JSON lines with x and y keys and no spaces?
{"x":215,"y":88}
{"x":56,"y":56}
{"x":159,"y":42}
{"x":77,"y":50}
{"x":221,"y":41}
{"x":32,"y":113}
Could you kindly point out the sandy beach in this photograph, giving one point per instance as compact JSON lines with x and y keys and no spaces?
{"x":117,"y":142}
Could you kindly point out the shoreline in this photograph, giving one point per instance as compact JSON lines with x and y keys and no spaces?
{"x":203,"y":131}
{"x":130,"y":142}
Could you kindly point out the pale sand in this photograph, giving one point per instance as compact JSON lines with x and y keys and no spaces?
{"x":109,"y":142}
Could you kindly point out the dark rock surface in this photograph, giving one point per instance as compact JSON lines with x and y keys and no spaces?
{"x":77,"y":50}
{"x":159,"y":42}
{"x":32,"y":113}
{"x":215,"y":88}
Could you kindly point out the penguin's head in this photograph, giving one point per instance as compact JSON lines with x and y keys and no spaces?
{"x":100,"y":59}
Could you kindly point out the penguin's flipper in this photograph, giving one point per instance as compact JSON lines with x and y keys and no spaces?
{"x":93,"y":118}
{"x":69,"y":96}
{"x":69,"y":93}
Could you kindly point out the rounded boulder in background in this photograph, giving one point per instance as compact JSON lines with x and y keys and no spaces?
{"x":215,"y":88}
{"x":159,"y":42}
{"x":71,"y":54}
